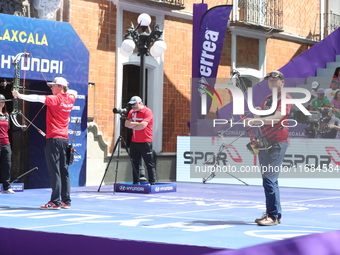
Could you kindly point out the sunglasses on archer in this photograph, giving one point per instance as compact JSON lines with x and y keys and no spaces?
{"x":274,"y":75}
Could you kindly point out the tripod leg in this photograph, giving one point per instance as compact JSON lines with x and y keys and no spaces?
{"x":108,"y":163}
{"x":117,"y":162}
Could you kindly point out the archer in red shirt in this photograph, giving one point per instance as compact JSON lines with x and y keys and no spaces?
{"x":271,"y":158}
{"x":59,"y":106}
{"x":5,"y":149}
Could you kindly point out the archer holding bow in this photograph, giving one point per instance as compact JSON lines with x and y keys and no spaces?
{"x":271,"y":159}
{"x":59,"y":106}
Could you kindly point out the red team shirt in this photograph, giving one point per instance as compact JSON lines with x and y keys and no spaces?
{"x":4,"y":126}
{"x":57,"y":115}
{"x":275,"y":132}
{"x":144,"y":135}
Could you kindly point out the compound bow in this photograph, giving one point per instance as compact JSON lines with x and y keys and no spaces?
{"x":256,"y":143}
{"x":16,"y":86}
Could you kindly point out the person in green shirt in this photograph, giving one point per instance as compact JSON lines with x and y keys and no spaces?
{"x":320,"y":100}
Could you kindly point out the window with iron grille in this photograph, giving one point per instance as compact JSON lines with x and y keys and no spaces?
{"x":177,"y":3}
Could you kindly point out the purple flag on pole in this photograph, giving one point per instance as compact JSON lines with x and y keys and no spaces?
{"x":207,"y":49}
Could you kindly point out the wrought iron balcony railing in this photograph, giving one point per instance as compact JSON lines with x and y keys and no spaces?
{"x":332,"y":22}
{"x":175,"y":3}
{"x":265,"y":13}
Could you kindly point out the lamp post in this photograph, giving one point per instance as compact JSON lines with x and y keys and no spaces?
{"x":143,"y":41}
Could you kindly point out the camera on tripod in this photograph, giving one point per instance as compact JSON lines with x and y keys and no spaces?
{"x":315,"y":121}
{"x":122,"y":111}
{"x":300,"y":117}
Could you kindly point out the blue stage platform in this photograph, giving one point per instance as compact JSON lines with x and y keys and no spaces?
{"x":145,"y":188}
{"x":196,"y":219}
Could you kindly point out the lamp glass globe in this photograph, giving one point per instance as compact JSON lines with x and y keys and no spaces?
{"x":124,"y":53}
{"x":159,"y":46}
{"x":154,"y":53}
{"x":128,"y":45}
{"x":144,"y":19}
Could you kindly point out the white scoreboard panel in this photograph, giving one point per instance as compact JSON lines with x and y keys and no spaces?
{"x":308,"y":163}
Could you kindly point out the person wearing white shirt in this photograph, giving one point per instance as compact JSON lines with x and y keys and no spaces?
{"x":330,"y":93}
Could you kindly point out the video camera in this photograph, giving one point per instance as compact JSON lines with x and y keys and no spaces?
{"x":124,"y":111}
{"x":315,"y":117}
{"x":315,"y":121}
{"x":300,"y":117}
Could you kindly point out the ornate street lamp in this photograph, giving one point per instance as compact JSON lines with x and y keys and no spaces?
{"x":143,"y":41}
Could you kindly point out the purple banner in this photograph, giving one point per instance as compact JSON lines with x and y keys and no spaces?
{"x":208,"y":36}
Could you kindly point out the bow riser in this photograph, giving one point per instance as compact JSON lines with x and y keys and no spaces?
{"x":16,"y":86}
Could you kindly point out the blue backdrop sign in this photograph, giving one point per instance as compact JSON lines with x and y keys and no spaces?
{"x":54,"y":49}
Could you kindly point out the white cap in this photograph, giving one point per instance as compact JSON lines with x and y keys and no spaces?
{"x":315,"y":84}
{"x":59,"y":80}
{"x":135,"y":99}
